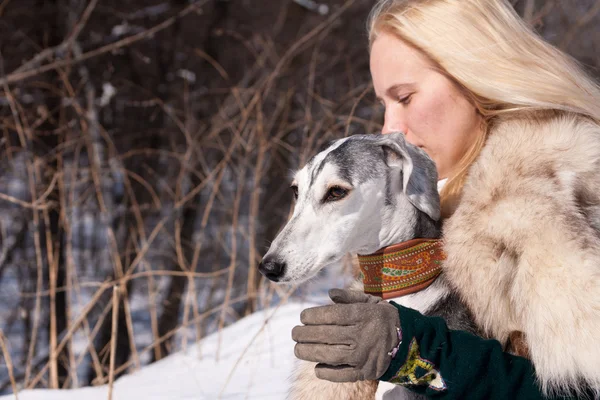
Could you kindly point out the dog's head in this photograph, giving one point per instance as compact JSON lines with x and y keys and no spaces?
{"x":358,"y":195}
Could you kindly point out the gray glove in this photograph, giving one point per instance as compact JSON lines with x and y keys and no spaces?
{"x":351,"y":340}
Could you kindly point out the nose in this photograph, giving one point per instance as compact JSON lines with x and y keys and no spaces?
{"x":271,"y":268}
{"x":393,"y":121}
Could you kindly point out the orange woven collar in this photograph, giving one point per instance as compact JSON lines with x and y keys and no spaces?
{"x":403,"y":268}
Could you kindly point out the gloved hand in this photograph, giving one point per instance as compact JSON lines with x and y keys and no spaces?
{"x":351,"y":340}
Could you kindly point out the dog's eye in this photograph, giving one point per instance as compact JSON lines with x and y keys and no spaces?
{"x":335,"y":193}
{"x":295,"y":191}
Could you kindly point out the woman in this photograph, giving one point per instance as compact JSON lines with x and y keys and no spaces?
{"x":513,"y":124}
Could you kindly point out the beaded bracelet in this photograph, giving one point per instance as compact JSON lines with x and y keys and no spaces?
{"x":395,"y":349}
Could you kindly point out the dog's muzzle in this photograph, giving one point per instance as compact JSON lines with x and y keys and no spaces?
{"x":271,"y":268}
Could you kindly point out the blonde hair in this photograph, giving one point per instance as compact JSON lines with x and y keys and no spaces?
{"x":500,"y":63}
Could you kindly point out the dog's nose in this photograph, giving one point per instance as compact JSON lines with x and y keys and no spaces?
{"x":272,"y":269}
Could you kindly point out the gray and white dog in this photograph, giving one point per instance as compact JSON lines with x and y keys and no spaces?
{"x":360,"y":194}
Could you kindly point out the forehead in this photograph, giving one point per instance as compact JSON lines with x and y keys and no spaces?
{"x":353,"y":160}
{"x":392,"y":59}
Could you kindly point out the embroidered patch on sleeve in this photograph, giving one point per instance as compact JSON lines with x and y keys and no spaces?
{"x":418,"y":371}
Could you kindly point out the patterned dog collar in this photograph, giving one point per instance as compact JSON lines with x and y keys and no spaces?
{"x":403,"y":268}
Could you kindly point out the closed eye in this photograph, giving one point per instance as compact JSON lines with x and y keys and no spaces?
{"x":405,"y":99}
{"x":295,"y":191}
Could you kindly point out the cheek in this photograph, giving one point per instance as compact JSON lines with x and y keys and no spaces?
{"x":445,"y":125}
{"x":429,"y":117}
{"x":426,"y":121}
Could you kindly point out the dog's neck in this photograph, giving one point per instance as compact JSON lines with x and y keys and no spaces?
{"x":403,"y":267}
{"x":400,"y":229}
{"x":427,"y":227}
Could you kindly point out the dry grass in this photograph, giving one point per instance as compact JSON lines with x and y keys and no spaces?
{"x":147,"y":213}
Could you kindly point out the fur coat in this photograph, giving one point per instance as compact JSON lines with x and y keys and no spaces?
{"x":524,"y":243}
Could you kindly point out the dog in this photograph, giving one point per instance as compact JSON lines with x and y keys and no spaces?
{"x":361,"y":194}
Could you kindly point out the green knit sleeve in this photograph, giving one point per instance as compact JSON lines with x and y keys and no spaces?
{"x":445,"y":364}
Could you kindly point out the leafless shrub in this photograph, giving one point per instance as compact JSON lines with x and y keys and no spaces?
{"x":146,"y":148}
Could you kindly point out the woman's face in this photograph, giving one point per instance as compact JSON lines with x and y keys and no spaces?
{"x":422,"y":103}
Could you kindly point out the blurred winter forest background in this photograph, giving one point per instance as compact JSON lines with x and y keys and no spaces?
{"x":145,"y":154}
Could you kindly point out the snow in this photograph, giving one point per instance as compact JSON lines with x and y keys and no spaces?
{"x":251,"y":359}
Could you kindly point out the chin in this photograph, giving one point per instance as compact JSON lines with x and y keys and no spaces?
{"x":302,"y":277}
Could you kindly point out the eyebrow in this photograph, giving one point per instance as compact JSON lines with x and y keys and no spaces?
{"x":392,"y":90}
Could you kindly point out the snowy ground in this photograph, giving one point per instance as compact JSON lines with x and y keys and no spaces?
{"x":251,"y":359}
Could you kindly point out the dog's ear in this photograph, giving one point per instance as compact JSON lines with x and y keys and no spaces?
{"x":419,"y":174}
